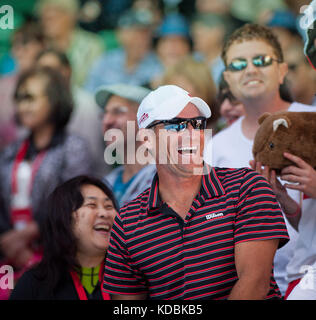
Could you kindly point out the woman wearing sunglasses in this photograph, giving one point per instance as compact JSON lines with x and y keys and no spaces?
{"x":80,"y":214}
{"x":32,"y":167}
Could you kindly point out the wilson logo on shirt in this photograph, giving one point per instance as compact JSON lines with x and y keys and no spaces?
{"x":214,"y":215}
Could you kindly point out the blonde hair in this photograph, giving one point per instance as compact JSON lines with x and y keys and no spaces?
{"x":198,"y":74}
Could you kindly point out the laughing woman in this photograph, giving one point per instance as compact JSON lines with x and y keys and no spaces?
{"x":33,"y":166}
{"x":80,"y":215}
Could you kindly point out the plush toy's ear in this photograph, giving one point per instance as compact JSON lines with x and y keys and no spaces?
{"x":281,"y":122}
{"x":263,"y":117}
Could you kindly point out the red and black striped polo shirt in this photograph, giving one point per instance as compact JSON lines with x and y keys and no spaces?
{"x":153,"y":250}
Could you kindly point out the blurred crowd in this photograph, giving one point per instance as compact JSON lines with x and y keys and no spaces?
{"x":65,"y":60}
{"x":141,"y":42}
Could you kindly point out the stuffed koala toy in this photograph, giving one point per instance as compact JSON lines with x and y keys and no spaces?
{"x":293,"y":132}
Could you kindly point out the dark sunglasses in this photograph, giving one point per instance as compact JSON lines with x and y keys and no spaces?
{"x":180,"y":124}
{"x":259,"y":61}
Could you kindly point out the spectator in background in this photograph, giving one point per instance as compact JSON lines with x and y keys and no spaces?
{"x":153,"y":6}
{"x":27,"y":42}
{"x":213,"y":6}
{"x":255,"y":70}
{"x":230,"y":108}
{"x":194,"y":77}
{"x":32,"y":167}
{"x":255,"y":11}
{"x":85,"y":120}
{"x":119,"y":103}
{"x":283,"y":24}
{"x":302,"y":177}
{"x":59,"y":22}
{"x":172,"y":39}
{"x":301,"y":78}
{"x":209,"y":31}
{"x":134,"y":63}
{"x":80,"y":214}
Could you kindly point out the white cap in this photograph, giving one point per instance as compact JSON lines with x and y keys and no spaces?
{"x":165,"y":103}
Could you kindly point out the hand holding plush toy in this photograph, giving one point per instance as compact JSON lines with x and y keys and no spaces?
{"x":286,"y":143}
{"x":291,"y":132}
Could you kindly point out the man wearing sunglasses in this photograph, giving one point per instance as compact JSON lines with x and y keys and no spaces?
{"x":255,"y":70}
{"x":194,"y":234}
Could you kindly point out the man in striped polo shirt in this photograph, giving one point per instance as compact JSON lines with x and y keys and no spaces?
{"x":197,"y":232}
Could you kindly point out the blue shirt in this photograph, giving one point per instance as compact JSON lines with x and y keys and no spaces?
{"x":110,"y":69}
{"x":120,"y":187}
{"x":125,"y":193}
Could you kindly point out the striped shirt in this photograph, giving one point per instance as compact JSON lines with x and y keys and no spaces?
{"x":154,"y":251}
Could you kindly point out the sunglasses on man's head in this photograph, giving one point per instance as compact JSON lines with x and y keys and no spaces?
{"x":180,"y":124}
{"x":259,"y":61}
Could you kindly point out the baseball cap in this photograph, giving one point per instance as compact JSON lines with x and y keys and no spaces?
{"x":174,"y":24}
{"x":165,"y":103}
{"x":127,"y":91}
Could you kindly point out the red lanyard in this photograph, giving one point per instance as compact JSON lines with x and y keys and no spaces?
{"x":80,"y":290}
{"x":19,"y":158}
{"x":24,"y":215}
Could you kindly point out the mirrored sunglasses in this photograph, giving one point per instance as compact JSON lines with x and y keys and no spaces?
{"x":259,"y":61}
{"x":180,"y":124}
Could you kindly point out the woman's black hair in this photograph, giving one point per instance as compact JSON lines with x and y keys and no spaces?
{"x":57,"y":90}
{"x":59,"y":242}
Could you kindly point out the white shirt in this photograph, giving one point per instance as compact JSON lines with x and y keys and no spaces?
{"x":230,"y":148}
{"x":22,"y":198}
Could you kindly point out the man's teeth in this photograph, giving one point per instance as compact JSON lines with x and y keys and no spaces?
{"x":253,"y":82}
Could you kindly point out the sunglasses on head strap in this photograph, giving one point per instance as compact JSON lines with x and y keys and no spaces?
{"x":180,"y":124}
{"x":259,"y":61}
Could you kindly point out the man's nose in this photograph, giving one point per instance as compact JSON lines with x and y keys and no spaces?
{"x":251,"y":68}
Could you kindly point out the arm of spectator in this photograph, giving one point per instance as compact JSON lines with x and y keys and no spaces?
{"x":289,"y":206}
{"x":253,"y":260}
{"x":303,"y":174}
{"x":259,"y":230}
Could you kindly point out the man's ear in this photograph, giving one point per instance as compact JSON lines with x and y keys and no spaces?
{"x":283,"y":70}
